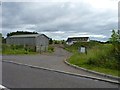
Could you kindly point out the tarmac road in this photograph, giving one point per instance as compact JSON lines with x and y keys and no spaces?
{"x":18,"y":76}
{"x":52,"y":61}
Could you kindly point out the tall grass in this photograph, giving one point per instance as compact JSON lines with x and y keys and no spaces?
{"x":50,"y":49}
{"x":99,"y":56}
{"x":102,"y":56}
{"x":16,"y":49}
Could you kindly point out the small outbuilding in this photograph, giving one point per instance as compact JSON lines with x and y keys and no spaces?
{"x":38,"y":42}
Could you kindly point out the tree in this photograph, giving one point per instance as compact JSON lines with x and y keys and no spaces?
{"x":63,"y":41}
{"x":114,"y":37}
{"x":115,"y":40}
{"x":118,"y":35}
{"x":20,"y":32}
{"x":50,"y":41}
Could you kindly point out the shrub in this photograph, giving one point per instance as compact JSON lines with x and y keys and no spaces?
{"x":99,"y":55}
{"x":50,"y":49}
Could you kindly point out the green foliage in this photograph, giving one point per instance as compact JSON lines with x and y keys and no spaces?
{"x":20,"y":32}
{"x":56,"y":42}
{"x":98,"y":56}
{"x":74,"y":47}
{"x":102,"y":57}
{"x":16,"y":49}
{"x":59,"y":42}
{"x":50,"y":41}
{"x":115,"y":40}
{"x":63,"y":42}
{"x":115,"y":37}
{"x":50,"y":49}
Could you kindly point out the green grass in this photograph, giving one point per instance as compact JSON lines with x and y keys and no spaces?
{"x":16,"y":49}
{"x":102,"y":70}
{"x":100,"y":58}
{"x":50,"y":49}
{"x":19,"y":49}
{"x":81,"y":63}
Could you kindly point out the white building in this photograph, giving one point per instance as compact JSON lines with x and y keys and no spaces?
{"x":73,"y":40}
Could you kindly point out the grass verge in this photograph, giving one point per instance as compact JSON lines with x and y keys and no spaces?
{"x":99,"y":57}
{"x":16,"y":49}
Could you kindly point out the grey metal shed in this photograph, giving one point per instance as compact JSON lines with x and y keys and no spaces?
{"x":39,"y":42}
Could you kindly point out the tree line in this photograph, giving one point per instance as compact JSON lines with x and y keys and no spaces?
{"x":20,"y":33}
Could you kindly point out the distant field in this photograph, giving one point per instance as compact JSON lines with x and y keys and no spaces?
{"x":99,"y":57}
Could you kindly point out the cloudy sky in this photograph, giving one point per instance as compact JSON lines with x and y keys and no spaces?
{"x":61,"y":19}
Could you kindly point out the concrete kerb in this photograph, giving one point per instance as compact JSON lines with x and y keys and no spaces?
{"x":90,"y":71}
{"x":59,"y":71}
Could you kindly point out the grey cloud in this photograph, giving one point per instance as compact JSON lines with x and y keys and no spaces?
{"x":22,"y":13}
{"x":51,"y":17}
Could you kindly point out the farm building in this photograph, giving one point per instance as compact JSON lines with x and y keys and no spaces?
{"x":38,"y":42}
{"x":72,"y":40}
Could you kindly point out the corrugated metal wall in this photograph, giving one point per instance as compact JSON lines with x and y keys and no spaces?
{"x":21,"y":40}
{"x":40,"y":42}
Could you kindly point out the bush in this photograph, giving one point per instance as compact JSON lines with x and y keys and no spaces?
{"x":50,"y":49}
{"x":102,"y":56}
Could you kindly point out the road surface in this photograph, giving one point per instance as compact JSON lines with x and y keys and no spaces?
{"x":18,"y":76}
{"x":53,"y":61}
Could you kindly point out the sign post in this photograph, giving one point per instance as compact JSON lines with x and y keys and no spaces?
{"x":83,"y":49}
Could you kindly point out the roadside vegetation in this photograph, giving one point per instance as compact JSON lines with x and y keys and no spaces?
{"x":100,"y":57}
{"x":16,"y":49}
{"x":50,"y":49}
{"x":20,"y":49}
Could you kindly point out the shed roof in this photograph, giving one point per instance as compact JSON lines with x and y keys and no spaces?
{"x":76,"y":38}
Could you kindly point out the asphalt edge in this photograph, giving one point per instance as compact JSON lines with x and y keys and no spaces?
{"x":59,"y":71}
{"x":94,"y":72}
